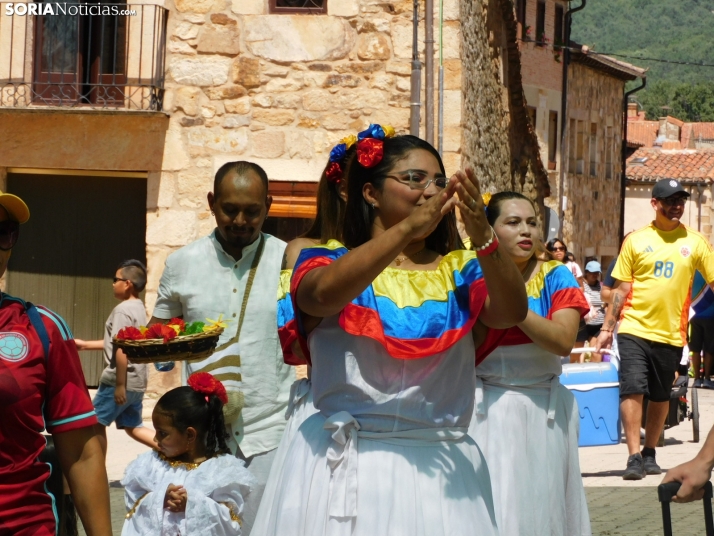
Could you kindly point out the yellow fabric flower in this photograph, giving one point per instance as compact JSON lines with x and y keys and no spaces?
{"x":143,"y":329}
{"x":219,"y":323}
{"x":486,"y":198}
{"x":176,"y":328}
{"x":349,"y":141}
{"x":388,"y":131}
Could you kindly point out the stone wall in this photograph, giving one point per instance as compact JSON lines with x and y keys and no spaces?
{"x":592,"y":214}
{"x":281,"y":90}
{"x":499,"y":141}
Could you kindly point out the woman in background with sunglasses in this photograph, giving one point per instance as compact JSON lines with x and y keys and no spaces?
{"x":42,"y":386}
{"x":556,"y":247}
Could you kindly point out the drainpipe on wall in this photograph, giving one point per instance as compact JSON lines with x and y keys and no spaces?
{"x":700,"y":191}
{"x":415,"y":97}
{"x":429,"y":66}
{"x":564,"y":115}
{"x":623,"y":180}
{"x":440,"y":123}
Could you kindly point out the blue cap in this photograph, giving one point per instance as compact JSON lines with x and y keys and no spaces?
{"x":593,"y":267}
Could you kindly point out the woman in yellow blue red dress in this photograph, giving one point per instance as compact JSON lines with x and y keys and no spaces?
{"x":331,"y":195}
{"x":387,"y":320}
{"x":525,"y":422}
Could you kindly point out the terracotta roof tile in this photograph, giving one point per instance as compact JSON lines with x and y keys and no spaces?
{"x":705,"y":130}
{"x":686,"y":165}
{"x":642,"y":133}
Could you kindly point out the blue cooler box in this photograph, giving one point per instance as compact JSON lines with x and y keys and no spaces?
{"x":597,"y":390}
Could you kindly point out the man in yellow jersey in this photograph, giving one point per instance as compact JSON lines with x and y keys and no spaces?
{"x":651,"y":296}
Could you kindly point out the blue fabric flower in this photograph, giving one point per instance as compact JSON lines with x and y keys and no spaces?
{"x":338,"y":152}
{"x":373,"y":131}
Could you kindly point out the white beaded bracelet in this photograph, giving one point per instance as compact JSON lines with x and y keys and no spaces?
{"x":487,"y":244}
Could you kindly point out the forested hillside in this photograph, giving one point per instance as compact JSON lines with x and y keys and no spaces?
{"x":675,"y":30}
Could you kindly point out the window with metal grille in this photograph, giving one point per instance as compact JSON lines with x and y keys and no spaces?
{"x":558,"y":31}
{"x":521,"y":17}
{"x":298,"y":6}
{"x":594,"y":156}
{"x":552,"y":138}
{"x":608,"y":152}
{"x":572,"y":146}
{"x":540,"y":24}
{"x":580,"y":142}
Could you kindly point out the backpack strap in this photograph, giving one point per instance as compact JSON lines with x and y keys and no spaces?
{"x":39,"y":326}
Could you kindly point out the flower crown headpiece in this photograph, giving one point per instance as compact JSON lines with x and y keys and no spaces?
{"x":370,"y":150}
{"x":207,"y":385}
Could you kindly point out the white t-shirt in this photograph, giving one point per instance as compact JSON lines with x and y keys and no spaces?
{"x":574,"y":269}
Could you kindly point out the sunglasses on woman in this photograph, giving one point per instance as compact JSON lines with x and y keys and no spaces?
{"x":557,"y":248}
{"x":9,"y":232}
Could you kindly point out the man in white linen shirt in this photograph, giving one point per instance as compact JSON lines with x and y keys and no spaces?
{"x":208,"y":278}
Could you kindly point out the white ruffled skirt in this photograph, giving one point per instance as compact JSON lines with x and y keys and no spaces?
{"x":533,"y":459}
{"x":337,"y":480}
{"x":300,"y":408}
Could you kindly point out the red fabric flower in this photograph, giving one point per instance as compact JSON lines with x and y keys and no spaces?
{"x":178,"y":322}
{"x":160,"y":331}
{"x":130,"y":333}
{"x":333,"y":172}
{"x":370,"y":152}
{"x":206,"y":384}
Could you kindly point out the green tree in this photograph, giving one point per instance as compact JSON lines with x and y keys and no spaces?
{"x":677,"y":30}
{"x":688,"y":102}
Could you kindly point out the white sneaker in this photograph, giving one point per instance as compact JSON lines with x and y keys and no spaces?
{"x":708,"y":384}
{"x":698,"y":383}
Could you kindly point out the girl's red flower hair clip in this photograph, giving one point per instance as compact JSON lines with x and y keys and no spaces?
{"x":207,"y":385}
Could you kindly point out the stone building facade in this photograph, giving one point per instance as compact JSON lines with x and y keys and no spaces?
{"x":592,"y":171}
{"x":281,"y":90}
{"x":239,"y":81}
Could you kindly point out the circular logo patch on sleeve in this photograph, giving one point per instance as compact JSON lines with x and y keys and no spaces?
{"x":13,"y":346}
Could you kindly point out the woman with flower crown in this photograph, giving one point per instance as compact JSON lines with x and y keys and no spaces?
{"x":386,"y":320}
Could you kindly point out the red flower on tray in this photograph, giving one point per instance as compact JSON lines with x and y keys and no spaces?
{"x":130,"y":333}
{"x":177,"y":322}
{"x":160,"y":331}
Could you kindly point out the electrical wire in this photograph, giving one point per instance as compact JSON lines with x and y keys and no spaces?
{"x":558,"y":48}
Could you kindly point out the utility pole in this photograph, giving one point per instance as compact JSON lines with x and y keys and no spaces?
{"x":415,"y":99}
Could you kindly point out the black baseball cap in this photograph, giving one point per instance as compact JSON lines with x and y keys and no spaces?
{"x":666,"y":188}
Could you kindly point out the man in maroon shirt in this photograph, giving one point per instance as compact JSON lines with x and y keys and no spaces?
{"x":42,"y":387}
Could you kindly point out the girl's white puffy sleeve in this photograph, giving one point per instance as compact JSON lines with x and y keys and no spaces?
{"x":215,"y":496}
{"x":143,"y":497}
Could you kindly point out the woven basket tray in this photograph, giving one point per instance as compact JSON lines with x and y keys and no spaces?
{"x":182,"y":348}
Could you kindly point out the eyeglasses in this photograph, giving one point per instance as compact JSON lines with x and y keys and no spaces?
{"x":559,"y":248}
{"x":672,"y":201}
{"x":119,"y":279}
{"x":417,"y":180}
{"x":9,"y":232}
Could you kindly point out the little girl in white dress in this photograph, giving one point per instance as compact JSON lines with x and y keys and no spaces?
{"x":192,"y":484}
